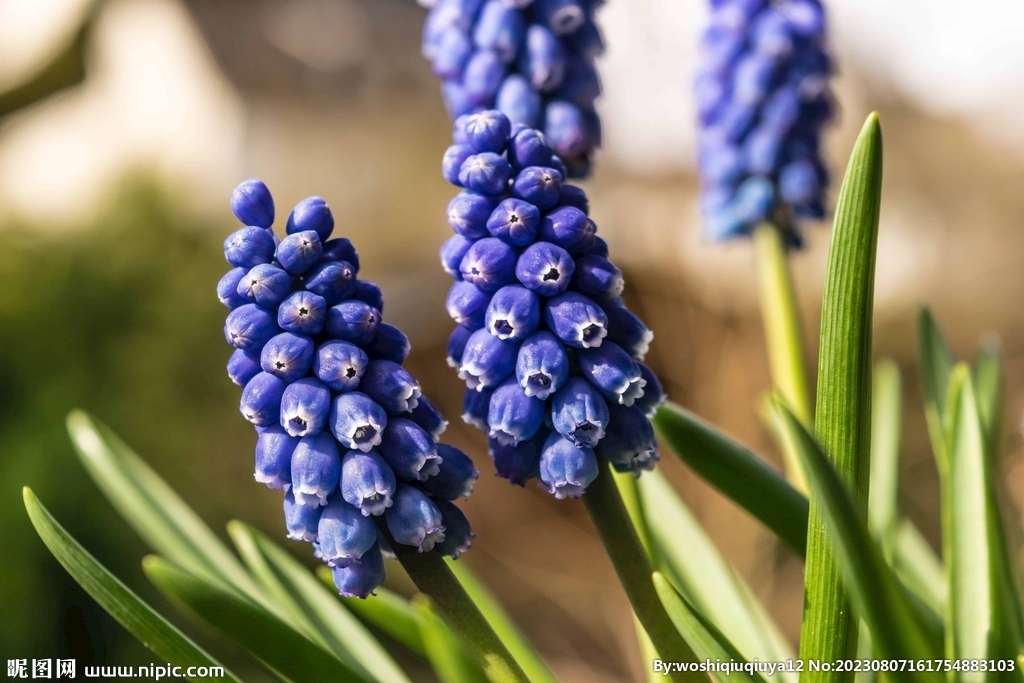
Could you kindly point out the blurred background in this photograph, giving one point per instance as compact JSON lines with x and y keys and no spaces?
{"x":114,"y":202}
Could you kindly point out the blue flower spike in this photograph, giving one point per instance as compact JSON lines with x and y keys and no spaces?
{"x":763,"y":98}
{"x":551,"y":357}
{"x":505,"y":63}
{"x":343,"y":429}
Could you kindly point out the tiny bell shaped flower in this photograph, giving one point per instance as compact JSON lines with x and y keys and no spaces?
{"x":265,"y":285}
{"x":512,"y":415}
{"x":453,"y":159}
{"x":500,"y":28}
{"x":580,"y":413}
{"x":311,"y":213}
{"x":486,"y":173}
{"x":513,"y":313}
{"x":359,"y":580}
{"x":274,"y":457}
{"x":390,"y":343}
{"x":335,"y":281}
{"x":538,"y":185}
{"x":316,"y":469}
{"x":301,"y":520}
{"x":515,"y":222}
{"x":249,"y":246}
{"x":391,"y":386}
{"x":613,"y":373}
{"x":367,"y":482}
{"x":485,"y":131}
{"x":476,"y":405}
{"x":569,"y":228}
{"x":542,"y":61}
{"x":489,"y":264}
{"x":467,"y":304}
{"x":288,"y":356}
{"x":341,"y":249}
{"x":577,"y":320}
{"x":456,"y":476}
{"x":340,"y":365}
{"x":243,"y":366}
{"x":567,"y":469}
{"x":545,"y":268}
{"x":252,"y":204}
{"x":598,"y":278}
{"x":487,"y":360}
{"x":305,"y":405}
{"x":520,"y":462}
{"x":468,"y":213}
{"x":344,"y":534}
{"x":458,"y":535}
{"x":302,"y":313}
{"x":457,"y":344}
{"x":409,"y":450}
{"x":357,"y":421}
{"x":452,"y":252}
{"x":542,"y":366}
{"x":429,"y":418}
{"x":629,"y":444}
{"x":249,"y":327}
{"x":654,"y":396}
{"x":414,"y":519}
{"x":227,"y":288}
{"x":353,"y":321}
{"x":261,"y":399}
{"x":369,"y":293}
{"x":628,"y":331}
{"x":299,"y":252}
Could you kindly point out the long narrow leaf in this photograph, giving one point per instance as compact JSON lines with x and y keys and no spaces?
{"x":530,"y":661}
{"x":344,"y":635}
{"x":293,"y":656}
{"x":879,"y":598}
{"x":737,"y":473}
{"x":936,"y":366}
{"x":919,"y":568}
{"x":687,"y":556}
{"x":164,"y":521}
{"x":141,"y":620}
{"x":705,"y":641}
{"x":973,"y":574}
{"x":843,"y":409}
{"x":387,"y":611}
{"x":886,"y":424}
{"x":451,"y":663}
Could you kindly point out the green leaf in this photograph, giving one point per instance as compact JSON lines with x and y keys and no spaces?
{"x":290,"y":654}
{"x":988,"y":388}
{"x":141,"y":620}
{"x":886,"y":423}
{"x":972,"y":571}
{"x":520,"y":648}
{"x":843,"y":409}
{"x":739,"y":474}
{"x":274,"y":590}
{"x":919,"y":568}
{"x":164,"y":521}
{"x":703,"y":638}
{"x":388,"y":611}
{"x":878,"y":596}
{"x":687,"y":556}
{"x":343,"y":634}
{"x":450,"y":662}
{"x":936,"y":366}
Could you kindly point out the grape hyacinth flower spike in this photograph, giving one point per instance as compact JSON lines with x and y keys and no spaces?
{"x":550,"y":355}
{"x":344,"y":431}
{"x":762,"y":93}
{"x":532,"y":60}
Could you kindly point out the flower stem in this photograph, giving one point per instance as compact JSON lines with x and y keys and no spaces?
{"x":786,"y":352}
{"x":614,"y":526}
{"x":432,"y":576}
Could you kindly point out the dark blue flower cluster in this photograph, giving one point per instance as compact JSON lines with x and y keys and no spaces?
{"x":549,"y":352}
{"x":763,"y":97}
{"x":343,"y":429}
{"x":531,"y":59}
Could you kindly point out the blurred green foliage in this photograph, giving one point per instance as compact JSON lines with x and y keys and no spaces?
{"x":118,"y":317}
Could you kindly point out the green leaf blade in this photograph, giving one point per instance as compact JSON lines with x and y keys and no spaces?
{"x":842,"y":412}
{"x":337,"y":627}
{"x":450,"y":661}
{"x":137,"y":617}
{"x":687,"y":556}
{"x":708,"y":644}
{"x":880,"y":599}
{"x":886,"y":427}
{"x":737,"y":473}
{"x":289,"y":653}
{"x":973,"y":572}
{"x":519,"y":647}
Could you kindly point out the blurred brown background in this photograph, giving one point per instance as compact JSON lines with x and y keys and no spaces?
{"x":113,"y":203}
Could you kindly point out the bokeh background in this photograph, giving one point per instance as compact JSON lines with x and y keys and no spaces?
{"x":113,"y":205}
